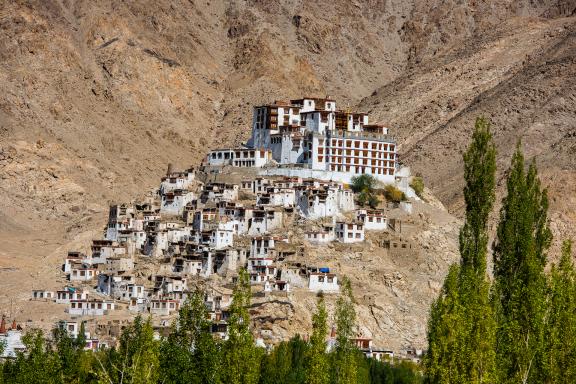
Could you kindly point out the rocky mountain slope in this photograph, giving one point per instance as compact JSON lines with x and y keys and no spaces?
{"x":522,"y":77}
{"x":98,"y":96}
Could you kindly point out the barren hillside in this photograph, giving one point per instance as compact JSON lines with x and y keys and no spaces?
{"x":522,"y":76}
{"x":98,"y":96}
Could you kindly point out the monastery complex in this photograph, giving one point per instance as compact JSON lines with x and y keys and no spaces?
{"x":258,"y":207}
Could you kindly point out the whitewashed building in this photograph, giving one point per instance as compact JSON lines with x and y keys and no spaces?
{"x":90,"y":307}
{"x":349,"y":232}
{"x":373,"y":219}
{"x":164,"y":307}
{"x":173,"y":202}
{"x":333,"y":145}
{"x":11,"y":339}
{"x":239,"y":157}
{"x":319,"y":237}
{"x":325,"y":282}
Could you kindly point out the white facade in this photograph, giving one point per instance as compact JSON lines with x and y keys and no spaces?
{"x":69,"y":294}
{"x":319,"y":237}
{"x":173,"y":202}
{"x":12,"y":341}
{"x":42,"y":295}
{"x":349,"y":232}
{"x":325,"y":282}
{"x":82,"y":274}
{"x":239,"y":157}
{"x":90,"y":307}
{"x":177,"y":180}
{"x":373,"y":219}
{"x":318,"y":202}
{"x":262,"y":244}
{"x":164,"y":307}
{"x":310,"y":132}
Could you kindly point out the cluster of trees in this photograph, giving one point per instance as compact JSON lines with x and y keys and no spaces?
{"x":190,"y":353}
{"x":519,"y":326}
{"x":365,"y":188}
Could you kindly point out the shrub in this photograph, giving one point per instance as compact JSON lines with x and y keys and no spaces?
{"x":417,"y":184}
{"x":394,"y":194}
{"x":362,"y":183}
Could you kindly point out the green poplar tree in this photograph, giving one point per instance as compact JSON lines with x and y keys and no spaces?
{"x":445,"y":333}
{"x":519,"y":297}
{"x":136,"y":360}
{"x":190,"y":354}
{"x":241,"y":356}
{"x":561,"y":330}
{"x":345,"y":367}
{"x":285,"y":363}
{"x":461,"y":330}
{"x":318,"y":368}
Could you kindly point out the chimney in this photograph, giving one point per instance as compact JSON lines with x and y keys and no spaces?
{"x":3,"y":326}
{"x":333,"y":333}
{"x":169,"y":170}
{"x":14,"y":325}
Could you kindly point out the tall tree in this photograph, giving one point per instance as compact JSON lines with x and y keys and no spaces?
{"x":445,"y":334}
{"x":190,"y":354}
{"x":136,"y":360}
{"x":461,"y":331}
{"x":318,"y":368}
{"x":241,"y":357}
{"x":285,"y":364}
{"x":523,"y":236}
{"x":561,"y":329}
{"x":345,"y":368}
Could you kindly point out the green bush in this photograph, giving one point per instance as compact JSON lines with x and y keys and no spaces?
{"x":417,"y":184}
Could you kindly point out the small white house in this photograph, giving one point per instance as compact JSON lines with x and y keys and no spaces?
{"x":83,"y":273}
{"x":40,"y":294}
{"x":349,"y":232}
{"x":262,"y":244}
{"x":325,"y":282}
{"x":11,"y":338}
{"x":91,"y":307}
{"x":173,"y":202}
{"x":163,"y":307}
{"x":68,"y":294}
{"x":373,"y":219}
{"x":177,"y":180}
{"x":319,"y":237}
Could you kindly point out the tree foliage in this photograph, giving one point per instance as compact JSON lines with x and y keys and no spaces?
{"x":364,"y":186}
{"x":417,"y":184}
{"x":241,"y":357}
{"x":560,"y":335}
{"x":137,"y":358}
{"x":461,"y":328}
{"x":523,"y":237}
{"x":345,"y":367}
{"x":393,"y":194}
{"x":190,"y":354}
{"x":182,"y":356}
{"x":317,"y":371}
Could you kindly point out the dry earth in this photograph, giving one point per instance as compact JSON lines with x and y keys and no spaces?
{"x":98,"y":96}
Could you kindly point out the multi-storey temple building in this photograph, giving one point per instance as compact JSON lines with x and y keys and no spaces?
{"x":310,"y":133}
